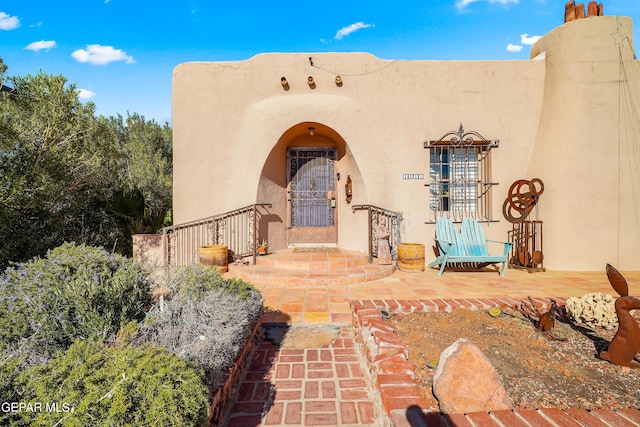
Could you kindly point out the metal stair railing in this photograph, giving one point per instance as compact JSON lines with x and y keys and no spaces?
{"x":390,"y":219}
{"x":238,"y":229}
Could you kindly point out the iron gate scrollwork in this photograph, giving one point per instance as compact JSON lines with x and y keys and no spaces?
{"x":311,"y":186}
{"x":391,"y":220}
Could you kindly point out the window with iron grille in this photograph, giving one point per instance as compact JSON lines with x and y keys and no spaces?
{"x":460,"y":176}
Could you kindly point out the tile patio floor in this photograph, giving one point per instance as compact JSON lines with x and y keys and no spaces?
{"x":301,"y":302}
{"x":329,"y":386}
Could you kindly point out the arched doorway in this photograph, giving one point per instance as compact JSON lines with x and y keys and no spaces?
{"x":303,"y":178}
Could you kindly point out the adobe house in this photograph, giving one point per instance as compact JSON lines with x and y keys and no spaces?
{"x":316,"y":134}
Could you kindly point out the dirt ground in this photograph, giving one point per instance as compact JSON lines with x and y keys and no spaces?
{"x":536,"y":372}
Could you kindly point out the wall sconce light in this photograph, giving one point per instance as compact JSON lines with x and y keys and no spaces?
{"x":284,"y":83}
{"x":311,"y":82}
{"x":348,"y":189}
{"x":338,"y":81}
{"x":311,"y":130}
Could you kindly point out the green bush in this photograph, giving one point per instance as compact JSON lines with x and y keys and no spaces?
{"x":10,"y":366}
{"x":115,"y":386}
{"x":74,"y":292}
{"x":193,"y":281}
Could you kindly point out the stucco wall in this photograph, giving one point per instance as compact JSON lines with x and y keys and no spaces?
{"x":583,"y":149}
{"x":229,"y":116}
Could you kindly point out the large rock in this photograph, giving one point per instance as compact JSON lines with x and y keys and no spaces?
{"x":466,"y":381}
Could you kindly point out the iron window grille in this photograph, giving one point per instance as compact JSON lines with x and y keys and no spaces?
{"x":460,"y":176}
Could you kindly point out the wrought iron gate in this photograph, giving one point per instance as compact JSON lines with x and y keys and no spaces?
{"x":310,"y":175}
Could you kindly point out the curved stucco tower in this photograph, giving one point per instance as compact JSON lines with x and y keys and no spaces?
{"x":587,"y":148}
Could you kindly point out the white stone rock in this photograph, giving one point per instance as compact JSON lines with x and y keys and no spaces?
{"x":593,"y":310}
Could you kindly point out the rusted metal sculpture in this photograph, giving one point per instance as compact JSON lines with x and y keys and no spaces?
{"x":545,"y":321}
{"x":526,"y":234}
{"x":625,"y":345}
{"x":522,"y":201}
{"x":548,"y":319}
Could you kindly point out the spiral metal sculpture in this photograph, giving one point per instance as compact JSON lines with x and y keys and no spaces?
{"x":523,"y":197}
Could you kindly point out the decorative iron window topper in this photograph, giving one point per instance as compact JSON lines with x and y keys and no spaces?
{"x":460,"y":176}
{"x":462,"y":138}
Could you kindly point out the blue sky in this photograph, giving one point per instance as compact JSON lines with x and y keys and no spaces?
{"x":121,"y":53}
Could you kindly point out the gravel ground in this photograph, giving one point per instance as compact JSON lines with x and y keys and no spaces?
{"x":537,"y":372}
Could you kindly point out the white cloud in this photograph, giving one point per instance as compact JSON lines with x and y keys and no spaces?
{"x":461,"y":4}
{"x":41,"y":45}
{"x":8,"y":22}
{"x":514,"y":47}
{"x":343,"y":32}
{"x":525,"y":39}
{"x":101,"y":55}
{"x":85,"y":94}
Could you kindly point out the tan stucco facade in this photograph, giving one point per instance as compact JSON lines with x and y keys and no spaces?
{"x":559,"y":117}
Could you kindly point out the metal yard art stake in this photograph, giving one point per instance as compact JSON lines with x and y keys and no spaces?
{"x":546,"y":321}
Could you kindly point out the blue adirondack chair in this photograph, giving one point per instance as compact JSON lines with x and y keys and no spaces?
{"x":467,"y":246}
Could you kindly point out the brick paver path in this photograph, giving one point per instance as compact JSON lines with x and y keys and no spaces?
{"x":327,"y":385}
{"x":323,"y":386}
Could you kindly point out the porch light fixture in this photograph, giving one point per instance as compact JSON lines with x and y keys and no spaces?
{"x":311,"y":131}
{"x":338,"y":81}
{"x":311,"y":82}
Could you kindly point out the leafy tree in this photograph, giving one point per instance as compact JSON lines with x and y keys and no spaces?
{"x":67,"y":175}
{"x":143,"y":196}
{"x":55,"y":168}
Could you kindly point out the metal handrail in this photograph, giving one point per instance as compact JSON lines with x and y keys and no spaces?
{"x":394,"y":223}
{"x":238,"y":229}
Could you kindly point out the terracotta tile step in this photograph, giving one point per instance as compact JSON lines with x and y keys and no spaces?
{"x":287,"y":260}
{"x":263,"y":275}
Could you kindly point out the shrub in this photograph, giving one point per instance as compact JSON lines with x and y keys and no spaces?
{"x":74,"y":292}
{"x":207,"y":319}
{"x":194,"y":281}
{"x":116,"y":386}
{"x":10,"y":366}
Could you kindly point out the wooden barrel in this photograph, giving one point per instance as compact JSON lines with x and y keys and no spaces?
{"x":216,"y":256}
{"x":411,"y":257}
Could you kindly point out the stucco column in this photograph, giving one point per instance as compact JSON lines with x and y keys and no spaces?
{"x":579,"y":140}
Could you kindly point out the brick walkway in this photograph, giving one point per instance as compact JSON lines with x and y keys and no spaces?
{"x":331,"y":385}
{"x":323,"y":386}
